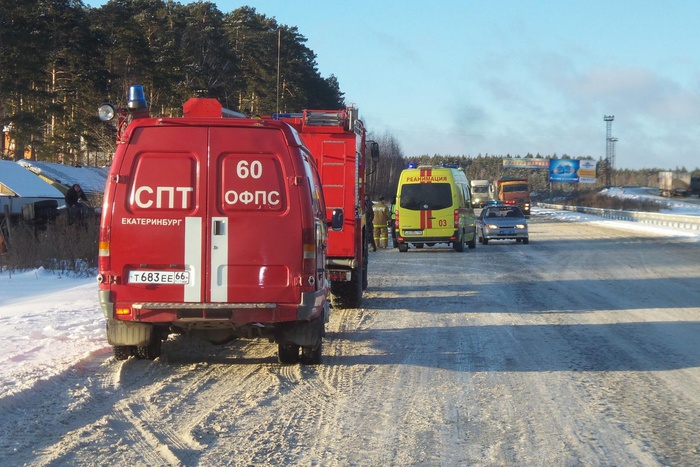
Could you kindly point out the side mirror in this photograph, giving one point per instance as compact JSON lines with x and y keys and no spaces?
{"x":337,"y":220}
{"x":374,"y":151}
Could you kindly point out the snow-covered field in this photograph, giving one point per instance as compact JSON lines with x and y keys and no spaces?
{"x":52,"y":329}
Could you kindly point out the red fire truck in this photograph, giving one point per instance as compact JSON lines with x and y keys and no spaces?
{"x":337,"y":140}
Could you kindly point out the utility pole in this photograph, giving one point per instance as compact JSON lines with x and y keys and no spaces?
{"x":613,"y":140}
{"x":609,"y":149}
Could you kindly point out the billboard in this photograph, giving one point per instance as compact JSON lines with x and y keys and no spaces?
{"x":572,"y":171}
{"x":587,"y":171}
{"x":525,"y":163}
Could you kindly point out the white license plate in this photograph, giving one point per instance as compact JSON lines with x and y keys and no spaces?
{"x":413,"y":232}
{"x":159,"y":277}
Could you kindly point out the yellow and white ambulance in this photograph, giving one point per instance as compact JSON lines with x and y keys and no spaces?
{"x":433,"y":205}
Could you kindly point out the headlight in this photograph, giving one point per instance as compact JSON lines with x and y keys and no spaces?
{"x":106,"y":112}
{"x":520,"y":226}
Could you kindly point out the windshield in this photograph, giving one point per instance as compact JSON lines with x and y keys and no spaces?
{"x":480,"y":189}
{"x":513,"y":188}
{"x":502,"y":211}
{"x":426,"y":196}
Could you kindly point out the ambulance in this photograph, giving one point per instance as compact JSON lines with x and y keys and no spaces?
{"x":213,"y":227}
{"x":433,"y":205}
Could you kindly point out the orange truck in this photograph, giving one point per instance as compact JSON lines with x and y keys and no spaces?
{"x":513,"y":190}
{"x":337,"y":140}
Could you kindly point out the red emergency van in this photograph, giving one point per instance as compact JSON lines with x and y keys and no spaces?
{"x":214,"y":227}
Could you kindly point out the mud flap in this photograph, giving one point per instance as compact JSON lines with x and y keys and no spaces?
{"x":127,"y":333}
{"x":305,"y":334}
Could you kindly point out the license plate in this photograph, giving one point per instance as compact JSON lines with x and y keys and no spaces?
{"x":507,"y":232}
{"x":413,"y":232}
{"x":159,"y":277}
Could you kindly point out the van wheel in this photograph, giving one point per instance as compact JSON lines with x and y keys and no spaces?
{"x":123,"y":352}
{"x":472,"y":243}
{"x":150,"y":351}
{"x":311,"y":355}
{"x":403,"y":247}
{"x":287,"y":353}
{"x":459,"y":244}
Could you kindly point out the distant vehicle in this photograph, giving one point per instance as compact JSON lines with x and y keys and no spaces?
{"x":434,"y":206}
{"x":674,"y":183}
{"x":695,"y":186}
{"x":502,"y":222}
{"x":514,"y":191}
{"x":480,"y":192}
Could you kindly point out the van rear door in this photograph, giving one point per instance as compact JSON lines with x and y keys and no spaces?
{"x":432,"y":203}
{"x":156,"y":201}
{"x":203,"y":215}
{"x":255,"y":239}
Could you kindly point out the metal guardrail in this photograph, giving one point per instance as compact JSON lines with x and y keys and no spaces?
{"x":665,"y":220}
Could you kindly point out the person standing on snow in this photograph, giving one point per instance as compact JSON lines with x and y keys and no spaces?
{"x":381,"y":219}
{"x":369,"y":223}
{"x":76,"y":202}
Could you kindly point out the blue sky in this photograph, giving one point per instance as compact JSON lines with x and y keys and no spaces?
{"x":460,"y":77}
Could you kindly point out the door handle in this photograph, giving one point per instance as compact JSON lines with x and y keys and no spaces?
{"x":219,"y":228}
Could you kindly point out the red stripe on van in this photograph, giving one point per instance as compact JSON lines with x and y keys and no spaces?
{"x":425,"y":219}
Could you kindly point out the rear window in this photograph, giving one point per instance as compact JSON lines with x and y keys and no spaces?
{"x":426,"y":196}
{"x":509,"y":211}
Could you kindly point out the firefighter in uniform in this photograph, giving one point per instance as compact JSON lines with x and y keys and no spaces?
{"x":369,"y":227}
{"x":381,"y":218}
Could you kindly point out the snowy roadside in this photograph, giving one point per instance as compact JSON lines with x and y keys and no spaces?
{"x":50,"y":322}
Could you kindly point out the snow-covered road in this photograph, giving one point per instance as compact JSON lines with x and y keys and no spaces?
{"x":580,"y":348}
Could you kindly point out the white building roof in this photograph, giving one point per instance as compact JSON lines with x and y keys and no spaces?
{"x":23,"y":183}
{"x":91,"y":179}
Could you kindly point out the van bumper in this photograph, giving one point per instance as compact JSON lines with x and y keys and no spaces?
{"x":309,"y":308}
{"x":421,"y":239}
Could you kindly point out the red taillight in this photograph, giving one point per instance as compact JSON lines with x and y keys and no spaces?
{"x":103,"y":253}
{"x":308,"y":261}
{"x":396,"y":219}
{"x":456,"y":218}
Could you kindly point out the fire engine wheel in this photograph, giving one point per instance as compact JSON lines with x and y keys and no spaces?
{"x":287,"y":354}
{"x":123,"y":352}
{"x":311,"y":355}
{"x":348,"y":294}
{"x":403,"y":247}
